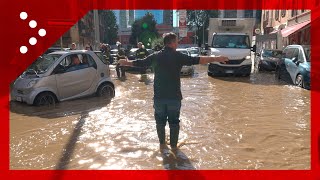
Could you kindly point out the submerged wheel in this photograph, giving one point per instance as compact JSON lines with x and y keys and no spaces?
{"x":299,"y":81}
{"x":106,"y":90}
{"x":45,"y":99}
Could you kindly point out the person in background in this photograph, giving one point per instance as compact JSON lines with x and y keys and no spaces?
{"x":73,"y":46}
{"x":120,"y":69}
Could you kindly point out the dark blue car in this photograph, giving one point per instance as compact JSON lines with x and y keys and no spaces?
{"x":295,"y":65}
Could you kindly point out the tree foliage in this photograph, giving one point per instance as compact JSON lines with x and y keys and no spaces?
{"x":144,"y":30}
{"x":110,"y":27}
{"x":200,"y":20}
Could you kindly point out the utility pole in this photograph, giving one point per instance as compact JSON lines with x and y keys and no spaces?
{"x":203,"y":34}
{"x":96,"y":26}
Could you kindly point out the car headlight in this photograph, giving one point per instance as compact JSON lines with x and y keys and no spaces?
{"x":31,"y":83}
{"x":248,"y":57}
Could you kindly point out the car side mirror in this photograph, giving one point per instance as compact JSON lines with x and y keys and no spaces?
{"x":59,"y":69}
{"x":296,"y":60}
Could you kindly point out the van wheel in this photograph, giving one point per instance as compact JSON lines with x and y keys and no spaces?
{"x":45,"y":99}
{"x":299,"y":81}
{"x":106,"y":90}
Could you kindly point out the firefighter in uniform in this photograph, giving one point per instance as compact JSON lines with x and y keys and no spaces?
{"x":140,"y":54}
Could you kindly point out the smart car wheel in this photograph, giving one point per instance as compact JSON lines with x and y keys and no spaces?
{"x":45,"y":99}
{"x":299,"y":81}
{"x":106,"y":90}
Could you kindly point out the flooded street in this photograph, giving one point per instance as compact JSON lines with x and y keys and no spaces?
{"x":252,"y":122}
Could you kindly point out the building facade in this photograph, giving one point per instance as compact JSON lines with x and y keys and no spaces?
{"x":280,"y":28}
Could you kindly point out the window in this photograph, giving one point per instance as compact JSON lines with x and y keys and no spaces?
{"x":295,"y":53}
{"x":248,"y":14}
{"x":294,"y":13}
{"x":291,"y":52}
{"x":230,"y":14}
{"x":300,"y":57}
{"x":91,"y":62}
{"x":276,"y":15}
{"x":231,"y":41}
{"x":75,"y":62}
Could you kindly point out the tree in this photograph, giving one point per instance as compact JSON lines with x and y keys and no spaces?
{"x":157,"y":43}
{"x":110,"y":27}
{"x":144,"y":30}
{"x":200,"y":20}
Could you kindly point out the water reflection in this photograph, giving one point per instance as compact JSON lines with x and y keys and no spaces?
{"x":226,"y":123}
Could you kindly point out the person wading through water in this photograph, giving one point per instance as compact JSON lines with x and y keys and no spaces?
{"x":167,"y":64}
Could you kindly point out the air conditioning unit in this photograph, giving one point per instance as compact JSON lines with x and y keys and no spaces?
{"x":231,"y":23}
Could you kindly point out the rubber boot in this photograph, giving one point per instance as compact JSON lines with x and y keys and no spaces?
{"x":174,"y":135}
{"x":161,"y":131}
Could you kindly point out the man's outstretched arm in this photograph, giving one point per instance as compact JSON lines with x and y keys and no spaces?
{"x":208,"y":59}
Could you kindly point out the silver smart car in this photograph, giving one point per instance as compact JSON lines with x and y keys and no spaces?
{"x":64,"y":75}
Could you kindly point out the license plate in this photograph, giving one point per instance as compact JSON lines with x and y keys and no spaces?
{"x":229,"y":71}
{"x":19,"y":99}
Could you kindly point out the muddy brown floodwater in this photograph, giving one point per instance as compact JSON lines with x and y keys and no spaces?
{"x":226,"y":123}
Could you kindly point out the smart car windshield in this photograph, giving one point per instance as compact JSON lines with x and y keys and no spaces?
{"x":42,"y":63}
{"x":231,"y":41}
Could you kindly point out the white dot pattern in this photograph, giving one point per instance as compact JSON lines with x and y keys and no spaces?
{"x":23,"y":15}
{"x":33,"y":23}
{"x":42,"y":32}
{"x":23,"y":49}
{"x":33,"y":41}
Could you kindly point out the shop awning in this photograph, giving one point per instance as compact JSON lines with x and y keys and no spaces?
{"x":291,"y":29}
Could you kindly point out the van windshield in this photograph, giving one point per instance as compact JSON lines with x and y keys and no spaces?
{"x":231,"y":41}
{"x":42,"y":63}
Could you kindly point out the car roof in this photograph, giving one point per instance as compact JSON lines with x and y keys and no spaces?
{"x":271,"y":49}
{"x":298,"y":45}
{"x":70,"y":52}
{"x":230,"y":34}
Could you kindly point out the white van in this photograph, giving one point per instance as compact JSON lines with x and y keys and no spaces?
{"x":237,"y":47}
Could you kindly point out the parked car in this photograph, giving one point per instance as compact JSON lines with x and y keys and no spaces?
{"x":132,"y":53}
{"x":267,"y":59}
{"x":193,"y":52}
{"x":132,"y":56}
{"x":295,"y":65}
{"x":186,"y":70}
{"x":113,"y":53}
{"x":53,"y":78}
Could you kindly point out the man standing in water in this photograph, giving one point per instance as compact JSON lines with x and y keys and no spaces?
{"x":167,"y":65}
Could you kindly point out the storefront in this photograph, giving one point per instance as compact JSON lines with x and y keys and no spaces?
{"x":297,"y":34}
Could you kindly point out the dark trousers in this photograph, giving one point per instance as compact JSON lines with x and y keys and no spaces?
{"x":120,"y":71}
{"x":167,"y":110}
